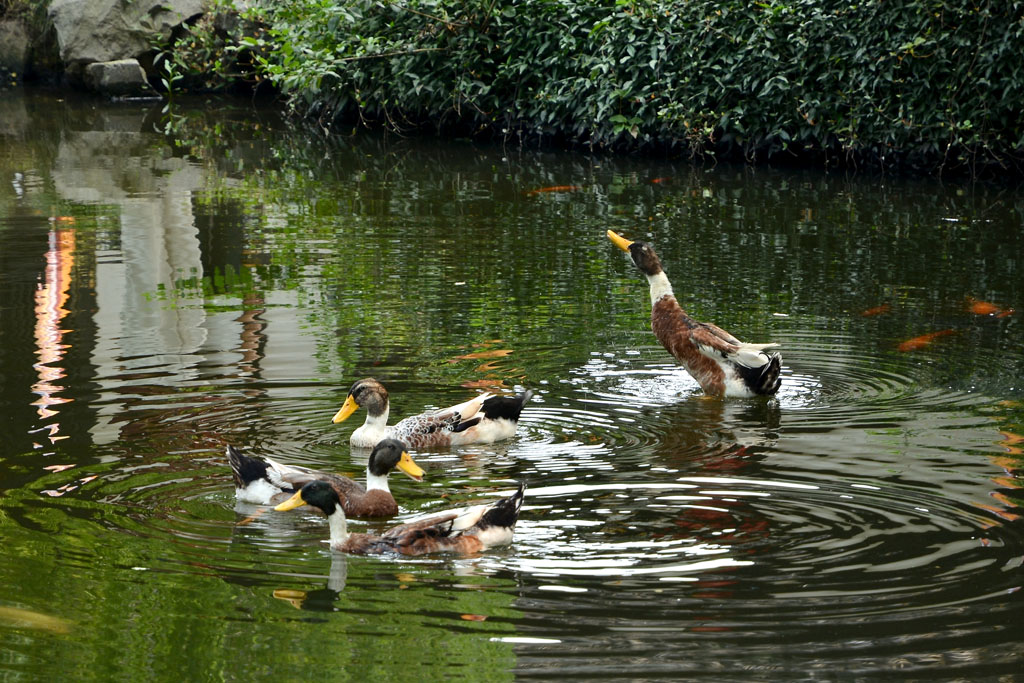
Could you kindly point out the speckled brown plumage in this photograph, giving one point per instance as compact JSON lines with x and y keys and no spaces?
{"x":481,"y":419}
{"x":430,"y":535}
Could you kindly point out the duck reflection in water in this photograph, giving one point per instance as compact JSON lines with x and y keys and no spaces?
{"x":714,"y":443}
{"x":695,"y":434}
{"x":319,"y":599}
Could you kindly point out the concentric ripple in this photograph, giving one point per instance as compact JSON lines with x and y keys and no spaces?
{"x":750,"y":560}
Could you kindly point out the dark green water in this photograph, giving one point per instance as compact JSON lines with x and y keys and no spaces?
{"x":164,"y":295}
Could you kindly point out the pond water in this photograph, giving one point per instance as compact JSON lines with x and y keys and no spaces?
{"x":172,"y":285}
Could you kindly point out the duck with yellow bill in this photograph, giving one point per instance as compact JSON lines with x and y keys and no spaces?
{"x":721,"y":363}
{"x":465,"y":531}
{"x":483,"y":419}
{"x":267,"y":482}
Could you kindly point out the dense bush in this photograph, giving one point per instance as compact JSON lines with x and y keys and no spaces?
{"x":920,"y":82}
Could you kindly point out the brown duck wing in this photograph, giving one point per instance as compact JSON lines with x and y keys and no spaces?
{"x":711,"y":339}
{"x":720,"y":333}
{"x":366,"y":544}
{"x":344,"y":485}
{"x":440,"y":525}
{"x":423,"y":541}
{"x":436,"y":536}
{"x":297,"y":477}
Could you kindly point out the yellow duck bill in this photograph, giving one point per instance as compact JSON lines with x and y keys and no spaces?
{"x":350,"y":406}
{"x":407,"y":465}
{"x":292,"y":503}
{"x":619,"y":241}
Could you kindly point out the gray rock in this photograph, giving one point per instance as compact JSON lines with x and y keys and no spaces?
{"x":15,"y":122}
{"x":108,"y":30}
{"x":119,"y":78}
{"x":13,"y":51}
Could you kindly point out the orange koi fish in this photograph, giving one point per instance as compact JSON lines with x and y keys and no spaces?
{"x":554,"y":188}
{"x":923,"y":341}
{"x":987,"y":308}
{"x":477,"y":355}
{"x":877,"y":310}
{"x":661,"y":181}
{"x":491,"y":384}
{"x":981,"y":307}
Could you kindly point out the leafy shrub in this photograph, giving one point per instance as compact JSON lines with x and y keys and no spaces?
{"x":208,"y":54}
{"x":923,"y":82}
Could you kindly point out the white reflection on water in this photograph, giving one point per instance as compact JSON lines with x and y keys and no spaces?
{"x":623,"y":567}
{"x":562,"y":589}
{"x":50,"y":299}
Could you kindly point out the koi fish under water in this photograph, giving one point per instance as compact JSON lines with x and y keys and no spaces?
{"x":877,"y":310}
{"x":923,"y":341}
{"x":987,"y":308}
{"x":554,"y":188}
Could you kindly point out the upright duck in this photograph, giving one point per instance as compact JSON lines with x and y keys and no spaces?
{"x":483,"y":419}
{"x":266,"y":482}
{"x":721,"y":363}
{"x":459,"y":531}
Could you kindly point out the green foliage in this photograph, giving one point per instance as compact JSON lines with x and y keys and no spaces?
{"x":927,"y":82}
{"x":208,"y":54}
{"x":31,"y":12}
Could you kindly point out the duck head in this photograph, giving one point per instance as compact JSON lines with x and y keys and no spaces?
{"x":366,"y":393}
{"x":642,"y":253}
{"x":389,"y":454}
{"x":319,"y":494}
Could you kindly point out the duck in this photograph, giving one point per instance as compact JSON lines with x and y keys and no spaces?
{"x":465,"y":531}
{"x":721,"y":363}
{"x":266,"y":482}
{"x":484,"y":419}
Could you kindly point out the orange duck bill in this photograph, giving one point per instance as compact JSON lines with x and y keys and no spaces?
{"x":410,"y":468}
{"x":350,"y":406}
{"x":619,"y":241}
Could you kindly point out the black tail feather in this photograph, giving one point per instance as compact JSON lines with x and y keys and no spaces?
{"x":768,"y":380}
{"x":505,"y":512}
{"x":245,"y":469}
{"x":466,"y":424}
{"x":763,"y":380}
{"x":506,"y":407}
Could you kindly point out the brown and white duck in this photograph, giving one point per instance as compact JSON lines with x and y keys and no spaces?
{"x":464,"y":531}
{"x":721,"y":363}
{"x":266,"y":482}
{"x":483,"y":419}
